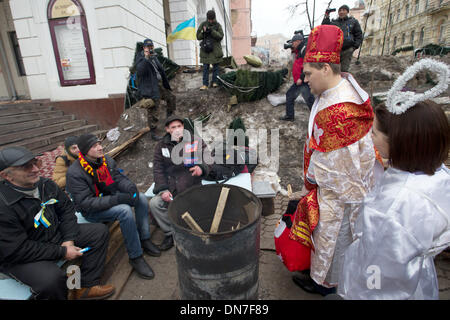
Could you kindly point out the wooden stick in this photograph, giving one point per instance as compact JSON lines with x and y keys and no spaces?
{"x":118,"y":150}
{"x":219,"y":210}
{"x":191,"y":222}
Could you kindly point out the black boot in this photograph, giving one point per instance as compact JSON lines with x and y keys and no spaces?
{"x":309,"y":285}
{"x":142,"y":268}
{"x":286,"y":118}
{"x":150,"y":248}
{"x":166,"y":244}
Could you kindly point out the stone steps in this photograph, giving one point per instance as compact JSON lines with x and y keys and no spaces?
{"x":39,"y":128}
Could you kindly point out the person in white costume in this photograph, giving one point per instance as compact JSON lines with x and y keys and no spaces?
{"x":404,"y":221}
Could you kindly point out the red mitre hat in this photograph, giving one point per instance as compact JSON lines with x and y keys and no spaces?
{"x":324,"y":44}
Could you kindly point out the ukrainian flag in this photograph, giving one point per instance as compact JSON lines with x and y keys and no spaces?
{"x":185,"y":30}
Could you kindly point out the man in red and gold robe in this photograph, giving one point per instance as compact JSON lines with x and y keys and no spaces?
{"x":339,"y":160}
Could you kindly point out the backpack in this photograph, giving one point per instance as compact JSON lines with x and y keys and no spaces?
{"x":241,"y":163}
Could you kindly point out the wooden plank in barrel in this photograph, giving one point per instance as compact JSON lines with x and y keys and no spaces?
{"x":219,"y":210}
{"x":191,"y":222}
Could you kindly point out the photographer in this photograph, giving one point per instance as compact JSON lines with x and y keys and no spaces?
{"x":153,"y":85}
{"x":352,"y":34}
{"x":298,"y":47}
{"x":211,"y":34}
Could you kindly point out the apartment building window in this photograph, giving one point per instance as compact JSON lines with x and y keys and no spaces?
{"x":395,"y":43}
{"x":441,"y":32}
{"x":398,"y":14}
{"x":412,"y":37}
{"x":403,"y":38}
{"x":422,"y":34}
{"x":407,"y":11}
{"x":387,"y":45}
{"x":416,"y":10}
{"x":426,"y":4}
{"x":390,"y":19}
{"x":17,"y":55}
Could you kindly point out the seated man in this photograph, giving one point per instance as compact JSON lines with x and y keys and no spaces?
{"x":170,"y":178}
{"x":38,"y":227}
{"x":63,"y":162}
{"x":101,"y":193}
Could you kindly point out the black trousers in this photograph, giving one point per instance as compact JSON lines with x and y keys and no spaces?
{"x":293,"y":93}
{"x":48,"y":281}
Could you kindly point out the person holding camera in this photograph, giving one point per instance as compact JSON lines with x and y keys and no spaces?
{"x":211,"y":34}
{"x":153,"y":86}
{"x":298,"y":47}
{"x":101,"y":193}
{"x":352,"y":34}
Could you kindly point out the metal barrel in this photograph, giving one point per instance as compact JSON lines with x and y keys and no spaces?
{"x":222,"y":265}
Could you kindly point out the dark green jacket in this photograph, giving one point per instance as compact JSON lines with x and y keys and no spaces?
{"x":217,"y":34}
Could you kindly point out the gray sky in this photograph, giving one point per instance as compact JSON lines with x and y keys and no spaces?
{"x":272,"y":16}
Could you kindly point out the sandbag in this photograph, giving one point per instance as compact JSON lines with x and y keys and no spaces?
{"x":253,"y":60}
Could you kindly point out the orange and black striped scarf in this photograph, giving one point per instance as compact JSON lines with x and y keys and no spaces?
{"x":103,"y":182}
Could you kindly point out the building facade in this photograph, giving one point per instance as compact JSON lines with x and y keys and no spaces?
{"x":242,"y":29}
{"x":79,"y":50}
{"x":402,"y":26}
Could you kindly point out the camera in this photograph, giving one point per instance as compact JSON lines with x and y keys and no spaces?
{"x":288,"y":44}
{"x":328,"y":11}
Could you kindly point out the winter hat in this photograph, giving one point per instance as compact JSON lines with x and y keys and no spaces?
{"x":345,"y":7}
{"x":85,"y":142}
{"x":148,"y":42}
{"x":172,"y":118}
{"x":14,"y":157}
{"x":70,"y":141}
{"x":296,"y":37}
{"x":211,"y":15}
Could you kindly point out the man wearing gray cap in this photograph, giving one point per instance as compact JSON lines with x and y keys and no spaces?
{"x":172,"y":178}
{"x":38,"y":227}
{"x":298,"y":87}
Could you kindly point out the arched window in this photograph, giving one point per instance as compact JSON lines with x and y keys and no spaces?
{"x":440,"y":30}
{"x":71,"y":45}
{"x":422,"y":34}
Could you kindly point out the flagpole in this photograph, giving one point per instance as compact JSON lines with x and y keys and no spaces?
{"x":196,"y":56}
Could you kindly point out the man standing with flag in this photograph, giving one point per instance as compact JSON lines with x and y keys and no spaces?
{"x":211,"y":34}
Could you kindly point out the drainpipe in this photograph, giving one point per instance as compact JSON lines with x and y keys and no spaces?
{"x":225,"y":24}
{"x":8,"y":72}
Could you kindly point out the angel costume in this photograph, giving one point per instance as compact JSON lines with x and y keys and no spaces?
{"x":339,"y":160}
{"x":404,"y":222}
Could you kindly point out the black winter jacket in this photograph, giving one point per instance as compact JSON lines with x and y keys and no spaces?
{"x":147,"y":79}
{"x":80,"y":186}
{"x":20,"y":241}
{"x":174,"y":177}
{"x":351,"y":28}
